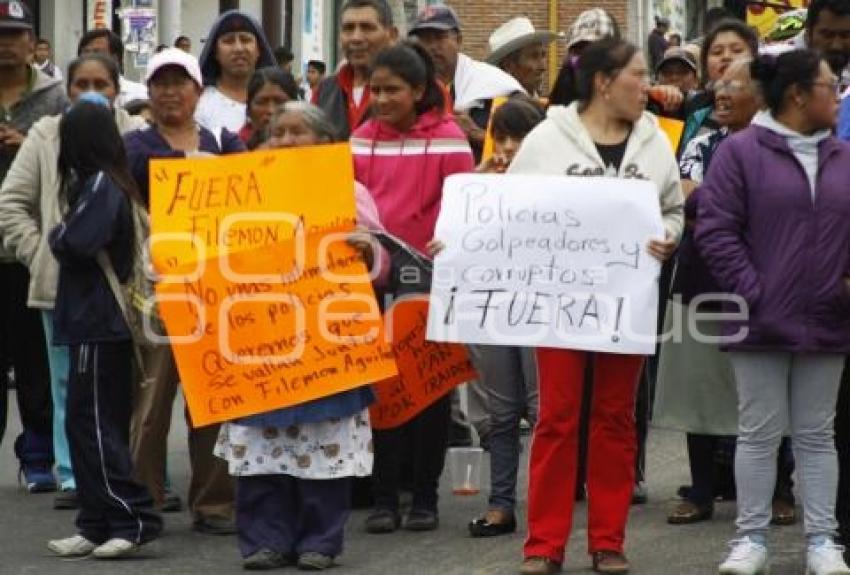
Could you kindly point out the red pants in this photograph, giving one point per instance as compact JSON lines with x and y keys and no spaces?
{"x":554,"y":451}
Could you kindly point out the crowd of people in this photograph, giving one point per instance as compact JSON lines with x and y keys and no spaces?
{"x":754,"y":205}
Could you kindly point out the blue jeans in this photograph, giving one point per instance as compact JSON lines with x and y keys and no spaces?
{"x":509,"y":375}
{"x":58,"y":357}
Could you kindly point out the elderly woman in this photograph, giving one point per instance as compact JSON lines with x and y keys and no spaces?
{"x":174,"y":83}
{"x":29,"y":205}
{"x":696,"y":387}
{"x":299,"y":515}
{"x":727,"y":41}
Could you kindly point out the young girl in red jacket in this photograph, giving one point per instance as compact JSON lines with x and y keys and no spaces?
{"x":402,"y":155}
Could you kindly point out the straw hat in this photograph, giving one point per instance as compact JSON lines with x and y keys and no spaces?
{"x":514,"y":35}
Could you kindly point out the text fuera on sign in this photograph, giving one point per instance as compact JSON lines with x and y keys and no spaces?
{"x":550,"y":261}
{"x":265,"y":304}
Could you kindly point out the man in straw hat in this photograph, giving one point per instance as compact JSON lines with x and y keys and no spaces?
{"x":520,"y":50}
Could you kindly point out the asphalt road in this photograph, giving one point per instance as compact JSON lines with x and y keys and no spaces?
{"x":653,"y":547}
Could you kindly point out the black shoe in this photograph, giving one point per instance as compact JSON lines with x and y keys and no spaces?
{"x":171,"y":502}
{"x":482,"y":528}
{"x":640,"y":495}
{"x":383,"y":521}
{"x":214,"y":526}
{"x":421,"y":520}
{"x":66,"y":499}
{"x":265,"y":559}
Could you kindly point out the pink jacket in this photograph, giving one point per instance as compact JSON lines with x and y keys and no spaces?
{"x":405,"y":171}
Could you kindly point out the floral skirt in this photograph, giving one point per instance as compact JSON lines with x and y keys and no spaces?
{"x":325,"y":450}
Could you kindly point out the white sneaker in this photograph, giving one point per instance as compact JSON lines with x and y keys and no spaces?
{"x":746,"y":558}
{"x":827,"y":559}
{"x":74,"y":546}
{"x":115,"y":548}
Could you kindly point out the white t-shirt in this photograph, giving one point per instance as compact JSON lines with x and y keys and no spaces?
{"x":357,"y":94}
{"x":130,"y":91}
{"x":216,"y":111}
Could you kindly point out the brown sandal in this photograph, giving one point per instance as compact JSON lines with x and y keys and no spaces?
{"x":610,"y":562}
{"x":688,"y":512}
{"x":539,"y":566}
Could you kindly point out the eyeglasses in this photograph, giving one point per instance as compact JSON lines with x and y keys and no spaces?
{"x":728,"y":86}
{"x":833,"y":86}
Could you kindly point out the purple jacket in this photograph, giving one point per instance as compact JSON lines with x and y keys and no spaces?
{"x":765,"y":240}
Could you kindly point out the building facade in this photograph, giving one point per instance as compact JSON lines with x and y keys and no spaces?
{"x":310,"y":27}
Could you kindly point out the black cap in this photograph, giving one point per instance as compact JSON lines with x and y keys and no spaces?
{"x":15,"y":15}
{"x":436,"y":17}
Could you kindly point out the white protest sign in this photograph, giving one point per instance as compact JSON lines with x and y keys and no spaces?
{"x":547,"y":261}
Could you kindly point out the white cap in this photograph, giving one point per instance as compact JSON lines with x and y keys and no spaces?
{"x":175,"y":57}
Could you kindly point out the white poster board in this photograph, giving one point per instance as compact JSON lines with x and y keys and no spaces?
{"x":551,"y":261}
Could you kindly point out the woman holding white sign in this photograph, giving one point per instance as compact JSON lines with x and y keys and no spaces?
{"x":605,"y":133}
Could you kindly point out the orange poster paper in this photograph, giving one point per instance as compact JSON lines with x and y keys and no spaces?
{"x":276,"y":309}
{"x":266,"y":345}
{"x":427,"y":370}
{"x":673,"y":129}
{"x":201,"y":206}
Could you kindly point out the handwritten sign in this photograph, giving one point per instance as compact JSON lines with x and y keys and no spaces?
{"x":284,"y":317}
{"x":426,"y":370}
{"x":203,"y":206}
{"x":549,"y":261}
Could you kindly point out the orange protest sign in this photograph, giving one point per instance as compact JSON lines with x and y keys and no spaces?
{"x":673,"y":129}
{"x":261,"y":345}
{"x":265,"y":304}
{"x":201,"y":206}
{"x":427,"y":370}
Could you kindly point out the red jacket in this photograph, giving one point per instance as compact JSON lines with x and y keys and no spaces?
{"x":405,"y":171}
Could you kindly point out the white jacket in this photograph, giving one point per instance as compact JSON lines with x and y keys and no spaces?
{"x":561,"y":145}
{"x":30,"y":204}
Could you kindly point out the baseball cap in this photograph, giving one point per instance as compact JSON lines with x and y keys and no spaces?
{"x":678,"y":55}
{"x":436,"y":17}
{"x":15,"y":15}
{"x":175,"y":57}
{"x":591,"y":26}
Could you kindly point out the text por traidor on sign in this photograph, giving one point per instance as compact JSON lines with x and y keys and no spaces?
{"x":547,"y":261}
